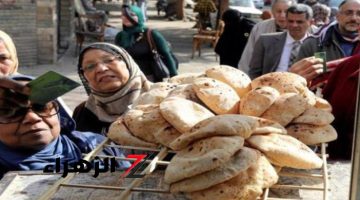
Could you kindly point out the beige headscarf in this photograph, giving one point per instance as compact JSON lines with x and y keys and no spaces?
{"x":108,"y":107}
{"x":10,"y":46}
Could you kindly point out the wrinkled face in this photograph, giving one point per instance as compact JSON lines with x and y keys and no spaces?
{"x":6,"y":64}
{"x":31,"y":130}
{"x":297,"y":25}
{"x":104,"y":72}
{"x":126,"y":21}
{"x":348,"y":17}
{"x":279,"y":13}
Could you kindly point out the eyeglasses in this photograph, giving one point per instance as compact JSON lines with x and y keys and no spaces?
{"x":105,"y":61}
{"x":350,"y":13}
{"x":11,"y":112}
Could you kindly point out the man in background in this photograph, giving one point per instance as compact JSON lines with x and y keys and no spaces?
{"x":276,"y":24}
{"x":278,"y":51}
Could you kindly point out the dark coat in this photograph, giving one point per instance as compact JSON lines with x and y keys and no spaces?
{"x":91,"y":122}
{"x":234,"y":38}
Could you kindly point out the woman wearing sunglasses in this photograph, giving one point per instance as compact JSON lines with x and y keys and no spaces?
{"x":113,"y":81}
{"x":33,"y":136}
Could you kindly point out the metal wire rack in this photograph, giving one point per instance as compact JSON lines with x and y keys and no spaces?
{"x":320,"y":175}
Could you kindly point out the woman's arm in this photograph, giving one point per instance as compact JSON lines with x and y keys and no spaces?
{"x":164,"y":50}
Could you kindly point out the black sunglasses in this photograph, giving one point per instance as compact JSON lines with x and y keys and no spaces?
{"x":11,"y":112}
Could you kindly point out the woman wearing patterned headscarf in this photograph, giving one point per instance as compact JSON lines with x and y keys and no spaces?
{"x":114,"y":82}
{"x":134,"y":40}
{"x":8,"y":56}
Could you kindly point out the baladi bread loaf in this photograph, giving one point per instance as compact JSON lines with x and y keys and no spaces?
{"x":185,"y":91}
{"x":183,"y":114}
{"x":239,"y":162}
{"x":227,"y":125}
{"x":120,"y":134}
{"x":284,"y":82}
{"x":258,"y":100}
{"x":219,"y":125}
{"x":265,"y":126}
{"x":163,"y":85}
{"x":322,"y":104}
{"x":217,"y":96}
{"x":310,"y":97}
{"x":314,"y":116}
{"x":202,"y":156}
{"x":247,"y":185}
{"x":156,"y":95}
{"x":312,"y":134}
{"x":185,"y":78}
{"x":285,"y":108}
{"x":285,"y":151}
{"x":237,"y":79}
{"x":144,"y":121}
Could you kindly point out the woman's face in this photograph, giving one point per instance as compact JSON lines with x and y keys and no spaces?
{"x":104,"y":72}
{"x":126,"y":21}
{"x":6,"y":63}
{"x":32,"y":132}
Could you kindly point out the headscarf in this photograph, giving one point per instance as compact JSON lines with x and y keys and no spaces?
{"x":128,"y":35}
{"x":10,"y":46}
{"x":108,"y":107}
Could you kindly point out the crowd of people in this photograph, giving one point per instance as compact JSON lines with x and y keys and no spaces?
{"x":115,"y":75}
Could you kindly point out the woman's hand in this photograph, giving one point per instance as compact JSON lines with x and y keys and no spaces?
{"x":309,"y":68}
{"x":14,"y":91}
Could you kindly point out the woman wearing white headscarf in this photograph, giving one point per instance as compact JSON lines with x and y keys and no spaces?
{"x":113,"y":81}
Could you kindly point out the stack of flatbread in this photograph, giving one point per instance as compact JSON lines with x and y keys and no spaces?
{"x":227,"y":130}
{"x":284,"y":97}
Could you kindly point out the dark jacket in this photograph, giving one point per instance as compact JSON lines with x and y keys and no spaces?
{"x":325,"y":40}
{"x":234,"y":38}
{"x":91,"y":122}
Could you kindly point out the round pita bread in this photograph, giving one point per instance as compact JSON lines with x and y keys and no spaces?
{"x":163,"y":85}
{"x":156,"y":95}
{"x":219,"y":125}
{"x":285,"y":151}
{"x":314,"y":116}
{"x":258,"y":100}
{"x":265,"y":126}
{"x":246,"y":185}
{"x":310,"y":97}
{"x":120,"y":134}
{"x":312,"y":134}
{"x":144,"y":121}
{"x":183,"y":114}
{"x":284,"y":82}
{"x":202,"y":156}
{"x":239,"y":162}
{"x":237,"y":79}
{"x":322,"y":104}
{"x":185,"y":91}
{"x":285,"y":108}
{"x":185,"y":78}
{"x":217,"y":96}
{"x":227,"y":125}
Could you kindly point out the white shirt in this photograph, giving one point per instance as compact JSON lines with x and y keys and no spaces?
{"x":285,"y":55}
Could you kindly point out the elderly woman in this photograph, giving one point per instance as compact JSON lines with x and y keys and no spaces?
{"x":134,"y":39}
{"x":8,"y":56}
{"x":114,"y":81}
{"x":33,"y":135}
